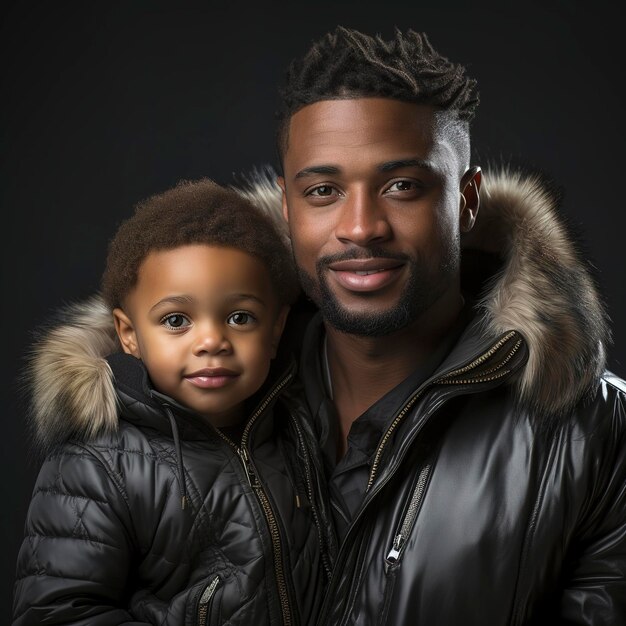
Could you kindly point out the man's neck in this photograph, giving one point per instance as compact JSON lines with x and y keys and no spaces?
{"x":364,"y":369}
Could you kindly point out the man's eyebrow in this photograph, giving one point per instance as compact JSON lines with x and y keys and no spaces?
{"x":399,"y":163}
{"x":383,"y":167}
{"x":317,"y":169}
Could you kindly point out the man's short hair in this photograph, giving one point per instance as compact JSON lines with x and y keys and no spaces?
{"x":196,"y":212}
{"x":346,"y":63}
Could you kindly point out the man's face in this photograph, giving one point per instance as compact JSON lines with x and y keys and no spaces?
{"x":371,"y":194}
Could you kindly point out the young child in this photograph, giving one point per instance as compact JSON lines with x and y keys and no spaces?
{"x":181,"y":483}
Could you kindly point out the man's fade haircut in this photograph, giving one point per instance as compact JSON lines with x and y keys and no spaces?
{"x":347,"y":63}
{"x":195,"y":212}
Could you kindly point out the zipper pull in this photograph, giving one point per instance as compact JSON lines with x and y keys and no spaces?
{"x":203,"y":605}
{"x":248,"y":469}
{"x":394,"y":553}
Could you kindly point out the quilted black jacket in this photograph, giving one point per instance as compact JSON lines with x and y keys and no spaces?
{"x":166,"y":520}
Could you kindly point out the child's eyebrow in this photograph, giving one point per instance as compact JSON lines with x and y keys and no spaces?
{"x":231,"y":298}
{"x":173,"y":300}
{"x":237,"y":297}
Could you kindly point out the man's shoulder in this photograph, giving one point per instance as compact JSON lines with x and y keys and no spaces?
{"x":603,"y":413}
{"x":611,"y":402}
{"x":614,"y":381}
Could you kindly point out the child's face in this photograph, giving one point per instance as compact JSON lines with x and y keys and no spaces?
{"x":206,"y":322}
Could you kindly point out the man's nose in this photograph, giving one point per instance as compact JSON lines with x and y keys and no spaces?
{"x":363,"y":220}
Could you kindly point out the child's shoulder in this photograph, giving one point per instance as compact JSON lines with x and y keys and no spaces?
{"x":124,"y":436}
{"x":109,"y":464}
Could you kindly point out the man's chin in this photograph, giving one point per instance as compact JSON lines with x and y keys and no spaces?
{"x":364,"y":317}
{"x":364,"y":324}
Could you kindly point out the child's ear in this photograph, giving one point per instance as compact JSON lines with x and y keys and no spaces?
{"x":126,"y":333}
{"x":279,"y":326}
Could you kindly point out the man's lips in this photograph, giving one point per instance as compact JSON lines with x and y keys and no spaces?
{"x":211,"y":378}
{"x":366,"y":274}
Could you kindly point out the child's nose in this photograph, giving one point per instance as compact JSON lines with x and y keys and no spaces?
{"x":211,"y":339}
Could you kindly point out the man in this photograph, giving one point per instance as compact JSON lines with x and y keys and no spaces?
{"x":474,"y":443}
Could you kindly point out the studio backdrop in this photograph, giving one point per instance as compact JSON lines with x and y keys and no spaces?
{"x":106,"y":103}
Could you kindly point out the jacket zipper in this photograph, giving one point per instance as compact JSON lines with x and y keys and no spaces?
{"x":450,"y":378}
{"x":309,"y":485}
{"x":409,"y":518}
{"x":447,"y":378}
{"x":270,"y":517}
{"x":205,"y":601}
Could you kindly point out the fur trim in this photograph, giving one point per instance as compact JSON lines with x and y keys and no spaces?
{"x":261,"y":189}
{"x":543,"y":289}
{"x":70,"y":381}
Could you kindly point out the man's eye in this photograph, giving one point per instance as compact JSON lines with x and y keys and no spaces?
{"x":322,"y":191}
{"x":402,"y":185}
{"x":240,"y":318}
{"x":175,"y":320}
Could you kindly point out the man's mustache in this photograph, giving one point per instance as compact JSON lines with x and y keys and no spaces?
{"x":361,"y":253}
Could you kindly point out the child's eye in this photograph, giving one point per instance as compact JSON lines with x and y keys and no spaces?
{"x":175,"y":321}
{"x":240,"y":318}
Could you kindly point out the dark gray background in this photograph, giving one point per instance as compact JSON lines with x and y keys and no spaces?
{"x":105,"y":103}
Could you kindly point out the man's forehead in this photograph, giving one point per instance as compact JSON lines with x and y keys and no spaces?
{"x":380,"y":130}
{"x":339,"y":115}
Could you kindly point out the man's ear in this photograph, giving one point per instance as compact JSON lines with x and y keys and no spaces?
{"x":279,"y":326}
{"x":470,"y":198}
{"x":126,"y":332}
{"x":281,"y":183}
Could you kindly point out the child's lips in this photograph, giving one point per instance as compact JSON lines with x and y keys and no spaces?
{"x":211,"y":378}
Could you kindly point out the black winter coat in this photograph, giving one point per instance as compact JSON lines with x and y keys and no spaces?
{"x":477,"y":514}
{"x":158,"y":518}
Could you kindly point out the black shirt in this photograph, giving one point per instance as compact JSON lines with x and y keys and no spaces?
{"x":348,"y":477}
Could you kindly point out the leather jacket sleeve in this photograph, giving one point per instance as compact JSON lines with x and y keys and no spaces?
{"x":594,"y":590}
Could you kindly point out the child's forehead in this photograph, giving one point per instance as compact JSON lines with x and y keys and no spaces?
{"x":205,"y":269}
{"x":214,"y":254}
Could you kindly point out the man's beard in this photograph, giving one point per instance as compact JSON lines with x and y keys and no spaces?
{"x":425,"y":285}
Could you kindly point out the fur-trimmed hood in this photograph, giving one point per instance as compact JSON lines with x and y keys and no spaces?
{"x":542,"y":288}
